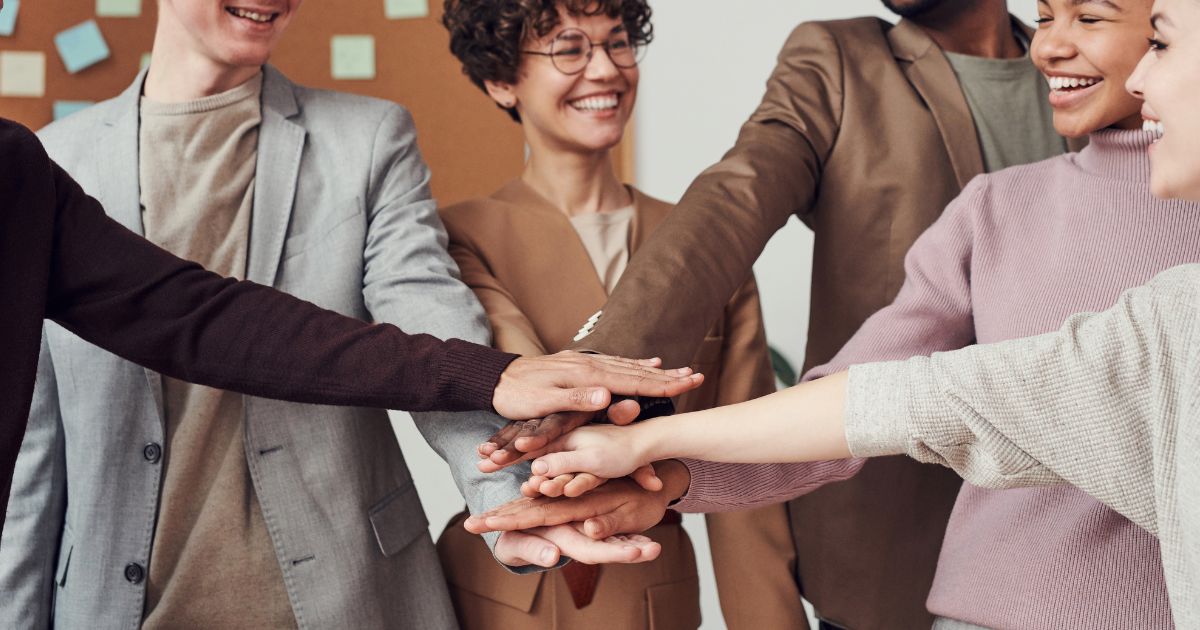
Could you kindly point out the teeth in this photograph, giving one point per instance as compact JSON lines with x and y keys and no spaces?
{"x":1152,"y":126}
{"x":250,"y":15}
{"x":595,"y":103}
{"x":1067,"y":83}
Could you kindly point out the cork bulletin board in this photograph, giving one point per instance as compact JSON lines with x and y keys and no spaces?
{"x":471,"y":146}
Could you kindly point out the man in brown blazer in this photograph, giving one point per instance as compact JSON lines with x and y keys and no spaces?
{"x":866,"y":131}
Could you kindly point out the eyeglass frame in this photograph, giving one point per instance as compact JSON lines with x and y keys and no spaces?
{"x":638,"y":51}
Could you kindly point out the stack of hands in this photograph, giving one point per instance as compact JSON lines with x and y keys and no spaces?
{"x":593,"y":488}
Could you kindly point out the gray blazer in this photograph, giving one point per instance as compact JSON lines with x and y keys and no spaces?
{"x":343,"y":218}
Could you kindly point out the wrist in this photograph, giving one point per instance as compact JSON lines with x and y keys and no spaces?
{"x":676,"y":479}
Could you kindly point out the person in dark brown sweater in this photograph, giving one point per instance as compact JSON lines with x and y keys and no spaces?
{"x":63,"y":259}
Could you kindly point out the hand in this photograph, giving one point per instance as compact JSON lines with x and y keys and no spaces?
{"x":535,"y":387}
{"x":544,"y":546}
{"x":617,"y":507}
{"x":571,"y":485}
{"x":515,"y":441}
{"x":601,"y":450}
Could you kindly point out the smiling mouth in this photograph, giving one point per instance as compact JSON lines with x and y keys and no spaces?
{"x":1072,"y":84}
{"x":253,"y":16}
{"x":603,"y":103}
{"x":1153,"y":126}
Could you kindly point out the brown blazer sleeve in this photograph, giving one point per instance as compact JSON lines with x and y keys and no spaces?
{"x":511,"y":329}
{"x":678,"y":282}
{"x":752,"y":551}
{"x":120,"y":292}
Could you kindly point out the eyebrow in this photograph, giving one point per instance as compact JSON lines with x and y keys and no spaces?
{"x":1160,"y":19}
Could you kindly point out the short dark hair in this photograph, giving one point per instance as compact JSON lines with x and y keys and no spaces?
{"x":487,"y":35}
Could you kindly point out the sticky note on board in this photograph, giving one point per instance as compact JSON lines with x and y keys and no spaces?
{"x":405,"y":9}
{"x":118,"y":8}
{"x":22,"y":73}
{"x":81,"y":46}
{"x":8,"y":17}
{"x":144,"y":62}
{"x":62,"y":109}
{"x":352,"y":56}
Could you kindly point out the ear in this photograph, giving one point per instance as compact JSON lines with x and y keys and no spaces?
{"x":503,"y":93}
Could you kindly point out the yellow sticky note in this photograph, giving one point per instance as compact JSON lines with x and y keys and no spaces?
{"x":353,"y":56}
{"x":118,"y":8}
{"x":405,"y":9}
{"x":22,"y":73}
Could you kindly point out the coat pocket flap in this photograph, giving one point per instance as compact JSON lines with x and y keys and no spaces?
{"x":398,"y":519}
{"x":64,"y":558}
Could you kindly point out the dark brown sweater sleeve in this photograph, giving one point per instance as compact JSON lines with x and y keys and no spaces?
{"x":678,"y":283}
{"x":122,"y":293}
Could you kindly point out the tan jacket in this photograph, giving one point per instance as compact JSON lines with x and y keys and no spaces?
{"x":527,"y":265}
{"x":863,"y":133}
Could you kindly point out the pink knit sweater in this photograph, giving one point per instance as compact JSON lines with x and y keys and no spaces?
{"x":1017,"y":253}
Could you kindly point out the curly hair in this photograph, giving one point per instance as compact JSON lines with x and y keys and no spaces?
{"x":487,"y":35}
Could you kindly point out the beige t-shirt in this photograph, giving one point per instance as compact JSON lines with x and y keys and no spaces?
{"x":212,"y":564}
{"x":605,"y":236}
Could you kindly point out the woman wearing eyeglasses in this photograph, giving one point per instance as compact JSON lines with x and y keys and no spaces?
{"x":542,"y":254}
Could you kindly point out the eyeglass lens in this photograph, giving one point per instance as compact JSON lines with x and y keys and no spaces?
{"x":572,"y":50}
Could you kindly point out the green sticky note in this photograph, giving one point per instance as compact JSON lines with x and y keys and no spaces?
{"x":353,"y":56}
{"x":62,"y":109}
{"x":81,"y":46}
{"x":8,"y":17}
{"x":22,"y":73}
{"x":405,"y":9}
{"x":144,"y":62}
{"x":118,"y":8}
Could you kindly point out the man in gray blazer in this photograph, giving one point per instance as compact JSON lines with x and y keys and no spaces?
{"x":139,"y":499}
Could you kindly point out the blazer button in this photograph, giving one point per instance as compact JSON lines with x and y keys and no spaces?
{"x":134,"y":573}
{"x":152,"y":452}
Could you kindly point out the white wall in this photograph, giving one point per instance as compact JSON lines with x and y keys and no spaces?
{"x":701,"y":78}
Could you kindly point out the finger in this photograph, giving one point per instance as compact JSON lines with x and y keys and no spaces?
{"x":521,"y":549}
{"x":624,"y":412}
{"x":555,"y":464}
{"x":554,"y":487}
{"x":501,"y":438}
{"x":530,"y":489}
{"x":582,"y":484}
{"x":553,"y":427}
{"x":537,"y":515}
{"x":600,"y":527}
{"x":647,"y":478}
{"x":583,"y":549}
{"x":648,"y":385}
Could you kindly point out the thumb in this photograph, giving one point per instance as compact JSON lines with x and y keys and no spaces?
{"x":624,"y":412}
{"x":518,"y":549}
{"x":555,"y":464}
{"x":600,"y":527}
{"x":584,"y":399}
{"x":647,"y":478}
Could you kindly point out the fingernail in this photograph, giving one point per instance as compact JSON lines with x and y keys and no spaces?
{"x":597,"y":397}
{"x":547,"y":556}
{"x":540,"y":467}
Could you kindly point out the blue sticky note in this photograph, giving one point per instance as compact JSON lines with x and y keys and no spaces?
{"x":81,"y":46}
{"x":62,"y":109}
{"x":8,"y":17}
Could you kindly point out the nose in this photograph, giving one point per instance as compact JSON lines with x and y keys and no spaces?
{"x":1138,"y":79}
{"x":1051,"y":44}
{"x":601,"y":66}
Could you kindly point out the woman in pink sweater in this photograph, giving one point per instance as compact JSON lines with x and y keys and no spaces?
{"x":1015,"y":255}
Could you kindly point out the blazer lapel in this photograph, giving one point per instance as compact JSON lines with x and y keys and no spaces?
{"x":117,"y":164}
{"x":931,"y":75}
{"x":280,"y":147}
{"x":570,"y":278}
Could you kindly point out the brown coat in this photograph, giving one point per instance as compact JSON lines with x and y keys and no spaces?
{"x":526,"y":263}
{"x":863,"y":133}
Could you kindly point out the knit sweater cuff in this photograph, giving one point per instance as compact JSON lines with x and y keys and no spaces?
{"x":879,"y":407}
{"x":708,"y":484}
{"x":469,"y":375}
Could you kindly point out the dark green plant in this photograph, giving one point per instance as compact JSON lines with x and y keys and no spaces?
{"x":783,"y":368}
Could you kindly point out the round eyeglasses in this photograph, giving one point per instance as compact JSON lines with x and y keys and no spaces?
{"x":571,"y":51}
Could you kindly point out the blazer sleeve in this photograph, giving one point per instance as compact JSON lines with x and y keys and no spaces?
{"x":29,"y":544}
{"x":118,"y":291}
{"x":511,"y":329}
{"x":753,"y":555}
{"x":931,"y":313}
{"x":695,"y":261}
{"x":411,"y":281}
